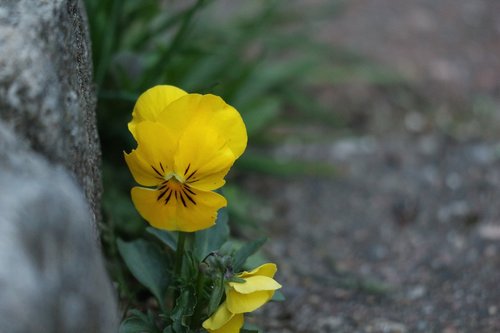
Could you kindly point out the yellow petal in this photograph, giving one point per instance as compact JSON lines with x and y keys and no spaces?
{"x":232,"y":326}
{"x":141,"y":170}
{"x":180,"y":113}
{"x":268,"y":270}
{"x":203,"y":157}
{"x":220,"y":317}
{"x":152,"y":102}
{"x":255,"y":283}
{"x":154,"y":146}
{"x":209,"y":111}
{"x":241,"y":303}
{"x":228,"y":122}
{"x":174,"y":215}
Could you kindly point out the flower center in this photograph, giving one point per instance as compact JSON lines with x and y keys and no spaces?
{"x":173,"y":187}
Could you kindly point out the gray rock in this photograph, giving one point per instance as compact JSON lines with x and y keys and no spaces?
{"x":52,"y":276}
{"x":46,"y":91}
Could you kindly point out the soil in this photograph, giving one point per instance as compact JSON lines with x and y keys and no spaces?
{"x":406,"y":236}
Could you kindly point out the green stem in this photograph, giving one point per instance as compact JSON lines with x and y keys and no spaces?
{"x":179,"y":256}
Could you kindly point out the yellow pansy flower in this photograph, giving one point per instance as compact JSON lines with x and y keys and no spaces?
{"x":241,"y":297}
{"x":257,"y":290}
{"x":223,"y":321}
{"x":186,"y":144}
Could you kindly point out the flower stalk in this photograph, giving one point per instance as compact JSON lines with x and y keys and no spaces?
{"x":179,"y":253}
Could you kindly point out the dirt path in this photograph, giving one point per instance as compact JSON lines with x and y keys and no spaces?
{"x":407,"y":237}
{"x":452,"y":42}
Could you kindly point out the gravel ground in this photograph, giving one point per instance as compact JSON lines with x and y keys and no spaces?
{"x":406,"y":237}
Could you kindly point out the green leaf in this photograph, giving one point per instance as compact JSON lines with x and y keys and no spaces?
{"x":255,"y":260}
{"x":138,"y":322}
{"x":266,"y":165}
{"x":278,"y":296}
{"x":241,"y":256}
{"x":168,"y":329}
{"x":227,"y":248}
{"x":260,"y":114}
{"x":189,"y":267}
{"x":211,"y":239}
{"x":178,"y":39}
{"x":270,"y":76}
{"x":216,"y":295}
{"x":249,"y":328}
{"x":148,"y":265}
{"x":168,"y":238}
{"x":184,"y":309}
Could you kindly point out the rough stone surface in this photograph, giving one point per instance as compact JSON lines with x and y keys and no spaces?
{"x":52,"y":275}
{"x":46,"y":91}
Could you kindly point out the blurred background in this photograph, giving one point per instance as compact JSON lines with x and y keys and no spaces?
{"x":374,"y":155}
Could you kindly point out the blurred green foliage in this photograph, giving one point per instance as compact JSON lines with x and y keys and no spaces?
{"x":255,"y":55}
{"x":260,"y":56}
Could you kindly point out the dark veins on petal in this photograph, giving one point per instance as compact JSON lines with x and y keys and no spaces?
{"x":181,"y":192}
